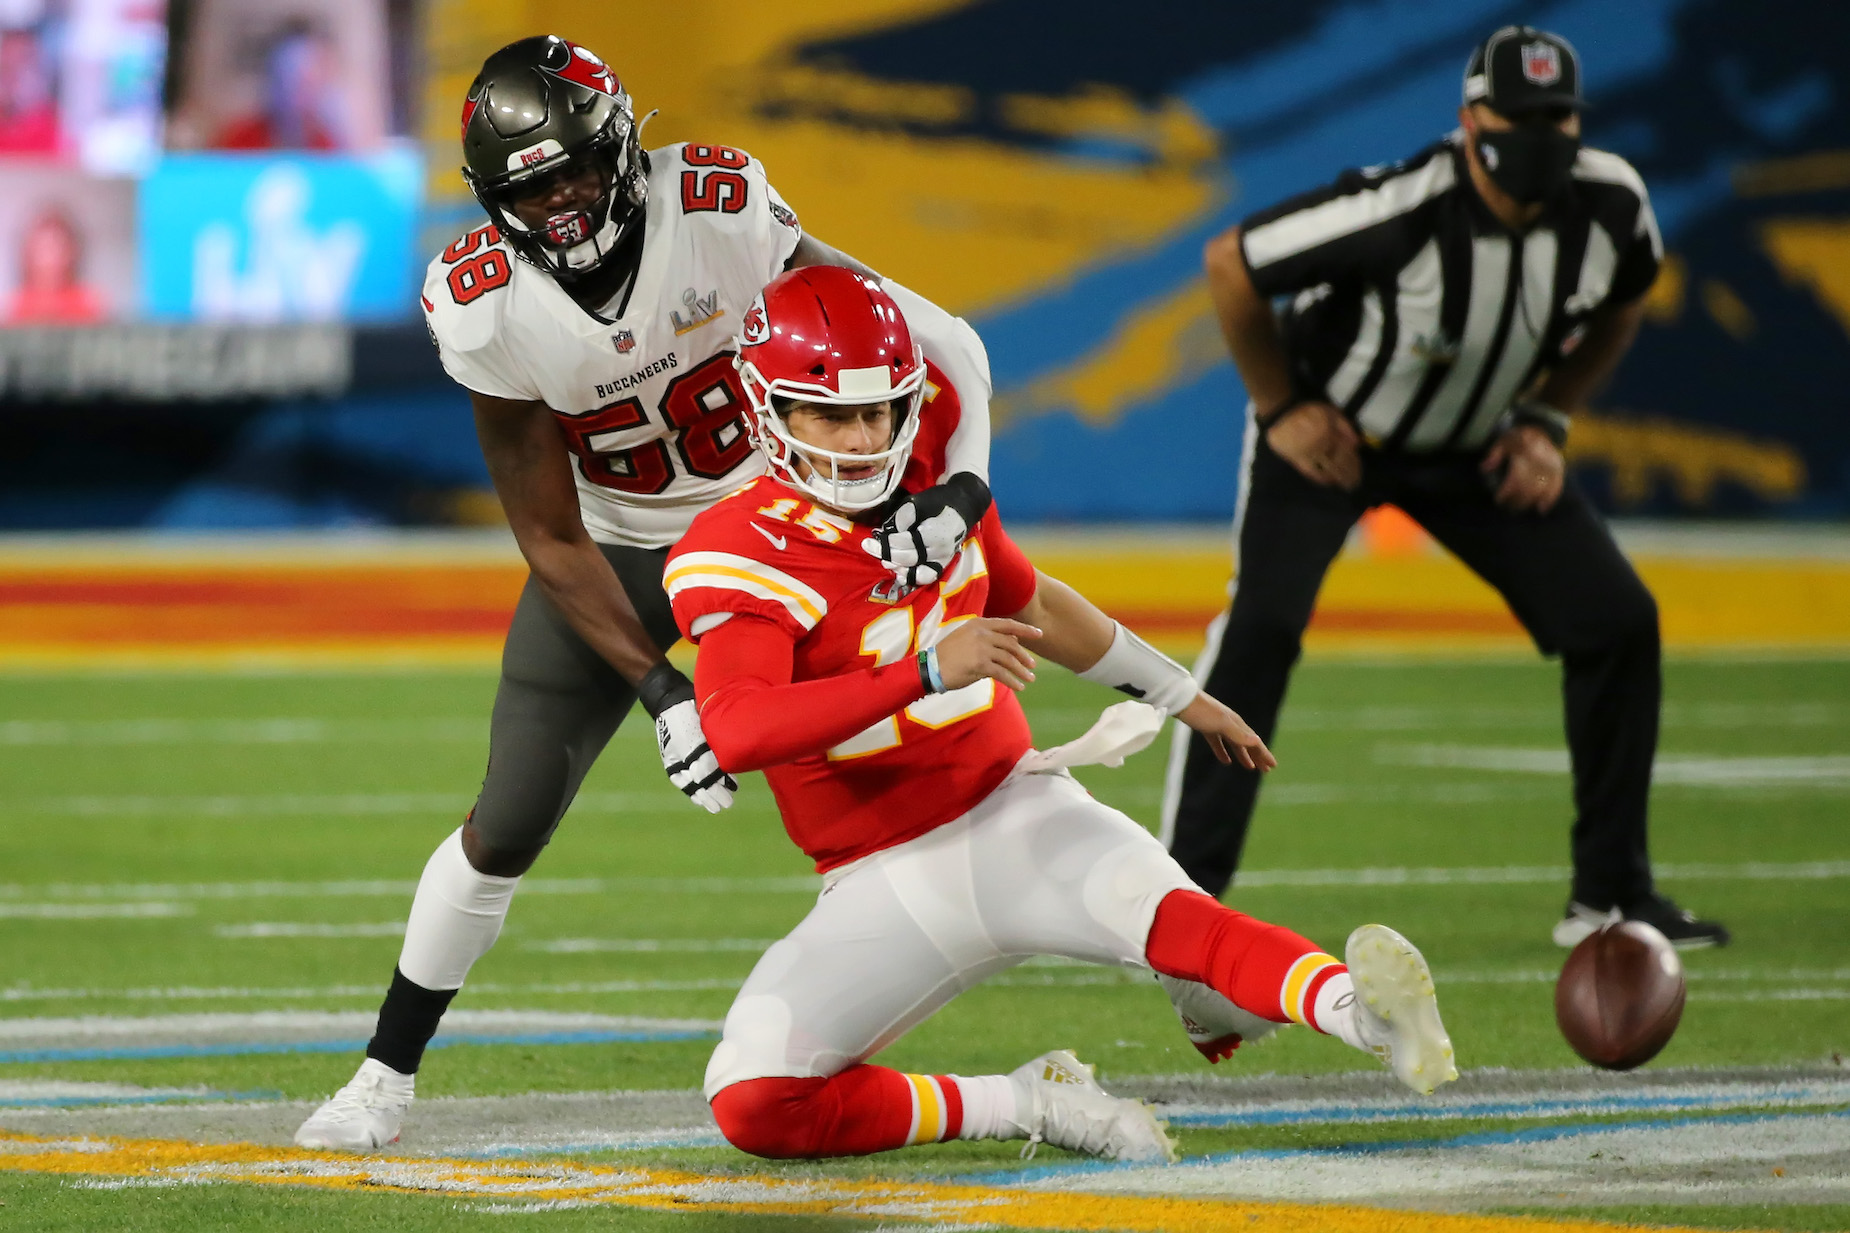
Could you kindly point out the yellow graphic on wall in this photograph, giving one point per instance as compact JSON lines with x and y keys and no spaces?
{"x":1815,"y":253}
{"x":972,"y":223}
{"x":1642,"y":453}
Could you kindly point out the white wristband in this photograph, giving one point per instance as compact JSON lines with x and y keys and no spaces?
{"x":1134,"y":667}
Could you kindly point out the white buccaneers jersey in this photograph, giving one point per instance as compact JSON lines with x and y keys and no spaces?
{"x":651,"y":407}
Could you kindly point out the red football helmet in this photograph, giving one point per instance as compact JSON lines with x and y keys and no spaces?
{"x":826,"y":334}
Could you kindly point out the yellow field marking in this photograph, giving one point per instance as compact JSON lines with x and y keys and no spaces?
{"x":676,"y":1190}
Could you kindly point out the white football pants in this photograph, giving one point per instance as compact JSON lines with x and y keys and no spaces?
{"x":1038,"y":868}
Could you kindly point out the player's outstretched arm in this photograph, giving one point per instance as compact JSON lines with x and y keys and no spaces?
{"x":531,"y":469}
{"x":1075,"y":634}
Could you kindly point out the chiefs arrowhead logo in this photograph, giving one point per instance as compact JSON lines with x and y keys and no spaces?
{"x":757,"y":325}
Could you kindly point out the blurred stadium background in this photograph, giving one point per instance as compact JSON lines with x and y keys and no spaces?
{"x":214,"y":215}
{"x":226,"y":442}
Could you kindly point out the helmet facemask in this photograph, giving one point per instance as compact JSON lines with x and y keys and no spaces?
{"x":574,"y":243}
{"x":816,"y":472}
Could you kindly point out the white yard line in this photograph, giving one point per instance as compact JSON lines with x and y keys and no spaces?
{"x":803,"y":884}
{"x":1748,"y":871}
{"x":1688,"y":770}
{"x":1770,"y":986}
{"x":530,"y":886}
{"x":307,"y":1025}
{"x":57,"y":1091}
{"x":1548,"y":975}
{"x":315,"y":729}
{"x":584,"y":946}
{"x":273,"y":730}
{"x":303,"y":929}
{"x":298,"y":993}
{"x":349,"y":804}
{"x":91,"y":911}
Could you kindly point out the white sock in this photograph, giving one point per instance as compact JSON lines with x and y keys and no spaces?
{"x":1334,"y":1013}
{"x":455,"y":917}
{"x":990,"y":1108}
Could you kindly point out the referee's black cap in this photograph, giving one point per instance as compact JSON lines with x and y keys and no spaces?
{"x":1521,"y":69}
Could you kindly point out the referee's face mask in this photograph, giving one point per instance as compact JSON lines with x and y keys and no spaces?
{"x":1529,"y":157}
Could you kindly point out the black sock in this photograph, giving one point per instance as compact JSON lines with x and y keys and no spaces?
{"x":407,"y":1020}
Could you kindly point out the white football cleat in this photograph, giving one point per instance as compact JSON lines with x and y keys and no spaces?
{"x":364,"y":1115}
{"x":1396,"y":1011}
{"x":1215,"y":1026}
{"x":1069,"y":1109}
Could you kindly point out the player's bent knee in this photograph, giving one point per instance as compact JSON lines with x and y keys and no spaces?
{"x":497,"y":862}
{"x":1124,"y":889}
{"x":772,"y":1118}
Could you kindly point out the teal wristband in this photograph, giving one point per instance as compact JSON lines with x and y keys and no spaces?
{"x":928,"y":671}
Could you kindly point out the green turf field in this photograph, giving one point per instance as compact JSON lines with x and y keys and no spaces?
{"x":166,"y":837}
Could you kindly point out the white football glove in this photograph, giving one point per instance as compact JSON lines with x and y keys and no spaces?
{"x":921,"y":538}
{"x":689,"y":760}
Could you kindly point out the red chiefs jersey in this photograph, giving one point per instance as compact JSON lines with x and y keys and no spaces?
{"x":940,"y":412}
{"x":769,"y":552}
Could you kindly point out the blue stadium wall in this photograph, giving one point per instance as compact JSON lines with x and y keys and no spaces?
{"x":1733,"y":402}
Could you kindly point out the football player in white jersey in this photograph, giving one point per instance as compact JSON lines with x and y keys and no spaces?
{"x":591,"y":319}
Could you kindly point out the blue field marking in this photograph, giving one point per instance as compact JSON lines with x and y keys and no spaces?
{"x":241,"y":1048}
{"x":1496,"y":1138}
{"x":159,"y":1098}
{"x":1556,"y":1107}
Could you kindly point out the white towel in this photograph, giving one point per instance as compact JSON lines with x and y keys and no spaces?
{"x":1122,"y":730}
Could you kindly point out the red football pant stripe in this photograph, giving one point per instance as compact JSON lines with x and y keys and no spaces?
{"x":1262,"y":968}
{"x":861,"y":1110}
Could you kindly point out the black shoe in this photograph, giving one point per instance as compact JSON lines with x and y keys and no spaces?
{"x":1681,"y":927}
{"x":1677,"y":924}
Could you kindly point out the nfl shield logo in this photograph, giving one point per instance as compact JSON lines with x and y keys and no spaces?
{"x":625,"y":341}
{"x":1541,"y":63}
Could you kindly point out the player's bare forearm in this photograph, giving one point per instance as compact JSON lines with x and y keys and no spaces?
{"x":1074,"y":633}
{"x":811,"y":251}
{"x":1247,"y":323}
{"x":1585,"y":372}
{"x":531,"y":469}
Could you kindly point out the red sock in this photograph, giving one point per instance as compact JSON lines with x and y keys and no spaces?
{"x":863,"y":1109}
{"x":1265,"y":969}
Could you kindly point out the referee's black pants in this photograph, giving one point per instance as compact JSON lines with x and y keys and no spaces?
{"x":1563,"y":577}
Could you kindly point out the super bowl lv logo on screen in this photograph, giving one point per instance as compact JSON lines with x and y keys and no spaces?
{"x":239,"y":238}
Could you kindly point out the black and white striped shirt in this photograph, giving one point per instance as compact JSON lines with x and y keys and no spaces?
{"x":1422,"y":316}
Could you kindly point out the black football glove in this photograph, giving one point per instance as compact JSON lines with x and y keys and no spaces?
{"x":921,"y":538}
{"x":669,"y":696}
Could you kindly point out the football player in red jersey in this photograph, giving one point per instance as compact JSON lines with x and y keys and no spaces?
{"x":887,"y":726}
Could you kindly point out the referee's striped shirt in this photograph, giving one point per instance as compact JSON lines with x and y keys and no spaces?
{"x":1422,"y":316}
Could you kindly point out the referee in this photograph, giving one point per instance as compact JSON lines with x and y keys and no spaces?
{"x":1440,"y":319}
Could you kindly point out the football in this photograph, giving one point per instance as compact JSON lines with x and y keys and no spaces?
{"x":1620,"y":995}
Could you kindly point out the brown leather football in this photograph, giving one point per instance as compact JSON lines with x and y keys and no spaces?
{"x":1620,"y":995}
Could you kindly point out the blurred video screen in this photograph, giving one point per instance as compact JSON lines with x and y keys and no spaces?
{"x":240,"y":161}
